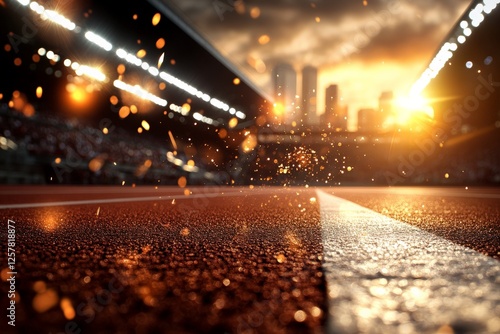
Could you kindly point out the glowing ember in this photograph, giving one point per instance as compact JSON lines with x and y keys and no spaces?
{"x":182,"y":182}
{"x":264,"y":39}
{"x":67,"y":308}
{"x":300,"y":316}
{"x":172,"y":139}
{"x":45,"y":301}
{"x":160,"y":43}
{"x":233,"y":122}
{"x":161,"y":59}
{"x":141,"y":53}
{"x":124,"y":112}
{"x":156,"y":19}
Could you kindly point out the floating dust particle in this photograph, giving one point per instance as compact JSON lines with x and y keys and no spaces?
{"x":120,"y":69}
{"x":316,"y":311}
{"x":187,"y":192}
{"x":160,"y":44}
{"x":255,"y":12}
{"x":67,"y":308}
{"x":445,"y":329}
{"x":124,"y":112}
{"x":280,"y":258}
{"x":185,"y":232}
{"x":145,"y":125}
{"x":156,"y":19}
{"x":264,"y":39}
{"x":182,"y":182}
{"x":172,"y":139}
{"x":96,"y":164}
{"x":220,"y":303}
{"x":39,"y":286}
{"x":161,"y":59}
{"x":4,"y":274}
{"x":141,"y":53}
{"x":233,"y":122}
{"x":98,"y":211}
{"x":226,"y":282}
{"x":45,"y":301}
{"x":173,"y":201}
{"x":300,"y":316}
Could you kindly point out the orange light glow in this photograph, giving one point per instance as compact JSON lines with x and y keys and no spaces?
{"x":160,"y":43}
{"x":124,"y":112}
{"x":161,"y":59}
{"x":79,"y":95}
{"x":156,"y":19}
{"x":264,"y":39}
{"x":121,"y":69}
{"x":278,"y":109}
{"x":409,"y":106}
{"x":141,"y":53}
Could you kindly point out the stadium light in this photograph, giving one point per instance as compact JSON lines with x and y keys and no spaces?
{"x":140,"y":92}
{"x":130,"y":58}
{"x":98,"y":40}
{"x":473,"y":18}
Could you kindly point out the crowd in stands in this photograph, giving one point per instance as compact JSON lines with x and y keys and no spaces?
{"x":50,"y":149}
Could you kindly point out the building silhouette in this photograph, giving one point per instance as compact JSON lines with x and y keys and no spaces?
{"x":367,"y":120}
{"x":335,"y":116}
{"x":285,"y":89}
{"x":385,"y":108}
{"x":309,"y":94}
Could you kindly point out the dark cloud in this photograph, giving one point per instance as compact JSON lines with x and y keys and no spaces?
{"x":323,"y":33}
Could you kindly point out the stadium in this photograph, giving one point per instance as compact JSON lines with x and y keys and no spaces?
{"x":243,"y":166}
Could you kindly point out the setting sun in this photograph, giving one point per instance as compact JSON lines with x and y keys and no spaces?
{"x":406,"y":107}
{"x":78,"y":95}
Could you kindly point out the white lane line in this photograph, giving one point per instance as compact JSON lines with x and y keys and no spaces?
{"x":385,"y":276}
{"x":106,"y":190}
{"x":453,"y":192}
{"x":117,"y":200}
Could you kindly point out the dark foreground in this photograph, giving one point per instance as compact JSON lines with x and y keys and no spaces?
{"x":221,"y":260}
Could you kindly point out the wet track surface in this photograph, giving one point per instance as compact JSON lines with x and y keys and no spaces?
{"x":469,"y":217}
{"x":209,"y":264}
{"x":224,"y":260}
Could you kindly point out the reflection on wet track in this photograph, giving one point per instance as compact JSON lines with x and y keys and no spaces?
{"x":241,"y":260}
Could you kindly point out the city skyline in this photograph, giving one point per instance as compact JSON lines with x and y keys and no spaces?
{"x":358,"y":45}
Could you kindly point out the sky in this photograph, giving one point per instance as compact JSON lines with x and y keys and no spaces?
{"x":366,"y":47}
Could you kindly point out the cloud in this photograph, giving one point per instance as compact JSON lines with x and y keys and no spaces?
{"x":325,"y":34}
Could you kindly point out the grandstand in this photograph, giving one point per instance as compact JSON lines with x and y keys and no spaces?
{"x":133,"y":94}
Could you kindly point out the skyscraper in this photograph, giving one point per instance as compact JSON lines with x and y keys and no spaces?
{"x":331,"y":102}
{"x":335,"y":115}
{"x":309,"y":87}
{"x":285,"y":89}
{"x":385,"y":108}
